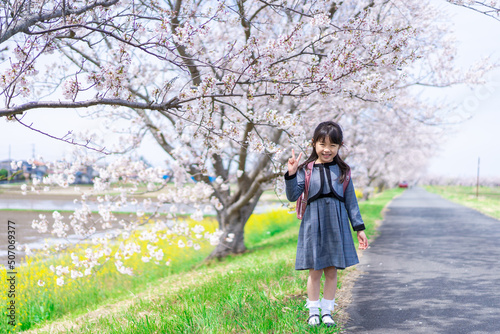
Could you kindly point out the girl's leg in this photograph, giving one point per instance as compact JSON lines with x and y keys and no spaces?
{"x":313,"y":303}
{"x":328,"y":301}
{"x":313,"y":284}
{"x":330,"y":283}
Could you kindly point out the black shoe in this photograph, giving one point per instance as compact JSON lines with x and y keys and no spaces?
{"x":313,"y":320}
{"x":328,"y":320}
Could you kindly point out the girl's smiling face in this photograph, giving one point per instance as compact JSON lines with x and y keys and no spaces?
{"x":326,"y":150}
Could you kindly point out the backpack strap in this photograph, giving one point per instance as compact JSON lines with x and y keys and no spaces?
{"x":301,"y":205}
{"x":308,"y":171}
{"x":346,"y":180}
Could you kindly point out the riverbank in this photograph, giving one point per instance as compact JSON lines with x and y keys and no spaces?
{"x":23,"y":209}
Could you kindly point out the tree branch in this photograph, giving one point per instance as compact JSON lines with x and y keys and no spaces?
{"x":63,"y":139}
{"x":491,"y":11}
{"x":171,"y":104}
{"x":250,"y":193}
{"x":188,"y":61}
{"x":23,"y":25}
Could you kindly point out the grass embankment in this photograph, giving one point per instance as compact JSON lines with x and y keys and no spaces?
{"x":488,"y":201}
{"x":255,"y":292}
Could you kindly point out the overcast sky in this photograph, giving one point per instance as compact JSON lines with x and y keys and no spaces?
{"x":477,"y":35}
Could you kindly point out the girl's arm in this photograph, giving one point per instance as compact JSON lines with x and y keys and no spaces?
{"x":351,"y":204}
{"x":294,"y":184}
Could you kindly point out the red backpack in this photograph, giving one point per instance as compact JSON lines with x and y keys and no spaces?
{"x":300,"y":208}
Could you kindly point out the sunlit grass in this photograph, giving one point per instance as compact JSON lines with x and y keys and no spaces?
{"x":488,"y":201}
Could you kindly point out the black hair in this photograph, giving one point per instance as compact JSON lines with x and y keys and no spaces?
{"x":333,"y":131}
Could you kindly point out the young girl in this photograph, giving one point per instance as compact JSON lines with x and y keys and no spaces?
{"x":325,"y":242}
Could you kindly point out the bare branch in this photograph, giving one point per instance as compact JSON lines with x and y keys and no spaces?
{"x":66,"y":138}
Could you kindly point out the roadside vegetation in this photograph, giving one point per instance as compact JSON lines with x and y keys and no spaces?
{"x":488,"y":201}
{"x":258,"y":291}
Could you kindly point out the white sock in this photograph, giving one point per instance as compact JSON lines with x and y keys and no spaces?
{"x":313,"y":306}
{"x":327,"y":306}
{"x":313,"y":311}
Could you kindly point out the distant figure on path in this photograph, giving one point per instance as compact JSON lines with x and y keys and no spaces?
{"x":325,"y":242}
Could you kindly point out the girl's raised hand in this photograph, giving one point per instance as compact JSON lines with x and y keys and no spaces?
{"x":293,"y":163}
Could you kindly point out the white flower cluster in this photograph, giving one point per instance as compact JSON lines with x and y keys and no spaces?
{"x":71,"y":88}
{"x":41,"y":225}
{"x":112,"y":77}
{"x":20,"y":72}
{"x":116,"y":187}
{"x":59,"y":228}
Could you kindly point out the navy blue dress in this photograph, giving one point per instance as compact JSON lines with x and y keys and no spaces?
{"x":325,"y":238}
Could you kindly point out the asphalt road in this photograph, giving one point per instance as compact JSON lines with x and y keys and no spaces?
{"x":434,"y":268}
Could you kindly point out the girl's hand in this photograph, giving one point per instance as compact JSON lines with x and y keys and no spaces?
{"x":363,"y":240}
{"x":293,"y":163}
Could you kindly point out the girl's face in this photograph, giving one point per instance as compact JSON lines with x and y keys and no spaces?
{"x":326,"y":150}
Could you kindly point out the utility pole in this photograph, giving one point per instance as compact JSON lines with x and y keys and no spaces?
{"x":477,"y":182}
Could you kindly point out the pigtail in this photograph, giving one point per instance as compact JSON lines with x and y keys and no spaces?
{"x":344,"y":168}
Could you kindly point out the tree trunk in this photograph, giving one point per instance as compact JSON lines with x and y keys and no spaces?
{"x":382,"y":185}
{"x":232,"y":240}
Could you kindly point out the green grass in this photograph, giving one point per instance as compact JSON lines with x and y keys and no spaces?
{"x":488,"y":201}
{"x":256,"y":292}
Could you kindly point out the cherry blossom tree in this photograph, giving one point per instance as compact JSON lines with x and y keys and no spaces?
{"x":226,"y":88}
{"x":490,"y":8}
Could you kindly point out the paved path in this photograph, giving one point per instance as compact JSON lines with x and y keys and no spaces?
{"x":435,"y":268}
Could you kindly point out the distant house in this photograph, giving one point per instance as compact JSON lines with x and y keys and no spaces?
{"x":35,"y":170}
{"x":27,"y":171}
{"x":86,"y":175}
{"x":5,"y":164}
